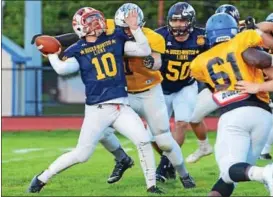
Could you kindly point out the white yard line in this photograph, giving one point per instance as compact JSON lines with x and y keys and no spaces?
{"x":28,"y":150}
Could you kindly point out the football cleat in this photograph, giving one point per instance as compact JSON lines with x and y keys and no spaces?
{"x":268,"y":178}
{"x":187,"y":182}
{"x":266,"y":156}
{"x":171,"y":173}
{"x":120,"y":168}
{"x":161,"y":171}
{"x":36,"y":185}
{"x":199,"y":153}
{"x":155,"y":190}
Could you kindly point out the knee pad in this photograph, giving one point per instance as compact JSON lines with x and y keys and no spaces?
{"x":225,"y":189}
{"x":237,"y":172}
{"x":165,"y":141}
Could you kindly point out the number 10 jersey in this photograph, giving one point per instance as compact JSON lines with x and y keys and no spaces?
{"x":101,"y":66}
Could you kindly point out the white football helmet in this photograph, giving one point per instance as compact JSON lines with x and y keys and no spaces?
{"x":123,"y":12}
{"x":88,"y":21}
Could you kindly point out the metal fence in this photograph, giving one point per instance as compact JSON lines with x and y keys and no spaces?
{"x":50,"y":103}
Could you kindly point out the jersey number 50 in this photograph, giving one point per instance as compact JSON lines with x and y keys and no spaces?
{"x":105,"y":59}
{"x":177,"y":70}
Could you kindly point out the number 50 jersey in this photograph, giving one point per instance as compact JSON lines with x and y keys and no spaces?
{"x":101,"y":66}
{"x":223,"y":66}
{"x":176,"y":60}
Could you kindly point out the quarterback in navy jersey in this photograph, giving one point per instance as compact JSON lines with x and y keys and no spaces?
{"x":184,"y":42}
{"x":99,"y":57}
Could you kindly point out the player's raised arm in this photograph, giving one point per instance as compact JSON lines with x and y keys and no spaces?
{"x":140,"y":47}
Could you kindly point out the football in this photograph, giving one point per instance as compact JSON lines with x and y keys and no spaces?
{"x":47,"y":44}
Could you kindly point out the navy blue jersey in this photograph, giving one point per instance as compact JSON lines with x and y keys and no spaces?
{"x":177,"y":58}
{"x":101,"y":66}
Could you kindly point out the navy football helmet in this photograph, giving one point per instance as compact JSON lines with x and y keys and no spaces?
{"x":269,"y":18}
{"x":220,"y":27}
{"x":181,"y":11}
{"x":229,"y":9}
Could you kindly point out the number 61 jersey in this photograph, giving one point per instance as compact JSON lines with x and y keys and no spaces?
{"x":101,"y":66}
{"x":176,"y":60}
{"x":223,"y":66}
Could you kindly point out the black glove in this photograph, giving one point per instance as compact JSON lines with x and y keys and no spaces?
{"x":250,"y":23}
{"x":34,"y":37}
{"x":149,"y":62}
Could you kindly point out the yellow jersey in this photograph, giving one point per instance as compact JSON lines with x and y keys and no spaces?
{"x":222,"y":66}
{"x":139,"y":78}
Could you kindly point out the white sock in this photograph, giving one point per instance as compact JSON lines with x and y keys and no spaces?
{"x":266,"y":149}
{"x":255,"y":173}
{"x":203,"y":143}
{"x":147,"y":161}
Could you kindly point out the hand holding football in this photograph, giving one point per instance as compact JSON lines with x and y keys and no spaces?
{"x":47,"y":44}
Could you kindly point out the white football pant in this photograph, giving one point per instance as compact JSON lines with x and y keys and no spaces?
{"x":182,"y":103}
{"x":152,"y":107}
{"x":204,"y":106}
{"x":97,"y":119}
{"x":241,"y":136}
{"x":268,"y":145}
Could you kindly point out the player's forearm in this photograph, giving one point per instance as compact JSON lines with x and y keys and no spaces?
{"x":257,"y":58}
{"x":158,"y":61}
{"x":140,"y":47}
{"x":266,"y":27}
{"x":66,"y":67}
{"x":67,"y":39}
{"x":266,"y":86}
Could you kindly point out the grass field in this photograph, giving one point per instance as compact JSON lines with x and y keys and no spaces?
{"x":28,"y":153}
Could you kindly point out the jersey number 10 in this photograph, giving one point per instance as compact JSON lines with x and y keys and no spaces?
{"x":105,"y":59}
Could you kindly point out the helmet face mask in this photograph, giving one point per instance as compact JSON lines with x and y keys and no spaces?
{"x":181,"y":19}
{"x":88,"y":21}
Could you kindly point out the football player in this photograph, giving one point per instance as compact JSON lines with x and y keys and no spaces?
{"x":145,"y":92}
{"x":205,"y":104}
{"x":246,"y":118}
{"x":145,"y":95}
{"x":267,"y":148}
{"x":184,"y":42}
{"x":254,"y":88}
{"x":99,"y":57}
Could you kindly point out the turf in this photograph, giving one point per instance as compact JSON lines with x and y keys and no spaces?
{"x":89,"y":179}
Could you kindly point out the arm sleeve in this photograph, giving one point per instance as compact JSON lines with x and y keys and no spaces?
{"x":66,"y":67}
{"x":67,"y":39}
{"x":139,"y":48}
